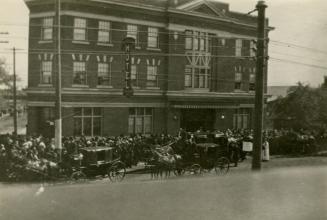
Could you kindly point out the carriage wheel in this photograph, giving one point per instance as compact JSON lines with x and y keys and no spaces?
{"x":222,"y":166}
{"x":179,"y":171}
{"x":117,"y":172}
{"x":195,"y":169}
{"x":78,"y":176}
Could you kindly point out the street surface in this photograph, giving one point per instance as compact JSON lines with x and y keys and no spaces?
{"x":7,"y":124}
{"x":285,"y":189}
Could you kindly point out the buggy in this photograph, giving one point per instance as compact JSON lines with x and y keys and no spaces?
{"x":99,"y":161}
{"x":206,"y":152}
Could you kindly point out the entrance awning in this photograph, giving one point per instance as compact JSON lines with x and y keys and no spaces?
{"x":211,"y":106}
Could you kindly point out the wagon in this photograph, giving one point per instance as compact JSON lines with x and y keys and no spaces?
{"x":209,"y":151}
{"x":98,"y":161}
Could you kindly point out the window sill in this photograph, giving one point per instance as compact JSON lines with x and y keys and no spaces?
{"x":135,"y":87}
{"x":105,"y":44}
{"x":80,"y":86}
{"x":239,"y":91}
{"x":81,"y":42}
{"x":45,"y":85}
{"x":45,"y":41}
{"x":138,"y":48}
{"x":153,"y":87}
{"x":153,"y":49}
{"x":104,"y":87}
{"x":198,"y":89}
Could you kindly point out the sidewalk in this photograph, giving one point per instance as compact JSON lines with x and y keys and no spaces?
{"x":139,"y":168}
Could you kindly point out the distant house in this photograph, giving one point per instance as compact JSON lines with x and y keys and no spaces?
{"x":278,"y":91}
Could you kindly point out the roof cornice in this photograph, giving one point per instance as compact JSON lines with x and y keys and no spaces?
{"x":163,"y":10}
{"x":211,"y":17}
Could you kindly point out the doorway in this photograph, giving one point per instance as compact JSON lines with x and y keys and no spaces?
{"x":195,"y":119}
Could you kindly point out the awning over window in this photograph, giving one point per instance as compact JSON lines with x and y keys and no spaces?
{"x":197,"y":106}
{"x":203,"y":106}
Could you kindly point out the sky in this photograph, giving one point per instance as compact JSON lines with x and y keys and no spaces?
{"x":297,"y":48}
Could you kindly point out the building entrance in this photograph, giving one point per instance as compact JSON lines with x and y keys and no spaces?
{"x":195,"y":119}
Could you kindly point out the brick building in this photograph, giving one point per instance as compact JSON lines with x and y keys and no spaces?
{"x":191,"y":66}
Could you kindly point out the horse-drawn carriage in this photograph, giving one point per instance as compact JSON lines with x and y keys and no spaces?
{"x":201,"y":153}
{"x":100,"y":161}
{"x":90,"y":162}
{"x":206,"y":152}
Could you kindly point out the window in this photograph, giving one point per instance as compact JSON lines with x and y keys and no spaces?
{"x":241,"y":119}
{"x":132,"y":32}
{"x":46,"y":72}
{"x":252,"y":49}
{"x":202,"y":42}
{"x":47,"y":29}
{"x":152,"y":76}
{"x":197,"y":77}
{"x":79,"y":77}
{"x":202,"y":78}
{"x":238,"y":81}
{"x":188,"y":40}
{"x":188,"y":77}
{"x":87,"y":121}
{"x":252,"y":82}
{"x":222,"y":41}
{"x":48,"y":114}
{"x":104,"y":32}
{"x":238,"y":47}
{"x":140,"y":121}
{"x":79,"y":29}
{"x":153,"y":37}
{"x":103,"y":74}
{"x":196,"y":41}
{"x":134,"y":75}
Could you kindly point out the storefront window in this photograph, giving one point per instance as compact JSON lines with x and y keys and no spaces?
{"x":241,"y":119}
{"x":87,"y":121}
{"x":140,"y":120}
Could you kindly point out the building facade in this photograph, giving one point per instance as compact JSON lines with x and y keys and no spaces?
{"x":192,"y":66}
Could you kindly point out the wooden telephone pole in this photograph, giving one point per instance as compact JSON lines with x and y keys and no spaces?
{"x":259,"y":90}
{"x":58,"y":120}
{"x":14,"y":93}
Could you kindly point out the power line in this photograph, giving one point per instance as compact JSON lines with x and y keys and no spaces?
{"x":293,"y":55}
{"x":285,"y":44}
{"x":299,"y":63}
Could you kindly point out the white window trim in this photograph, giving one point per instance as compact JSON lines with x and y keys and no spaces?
{"x":104,"y":30}
{"x":157,"y":38}
{"x":109,"y":75}
{"x":84,"y":41}
{"x":92,"y":116}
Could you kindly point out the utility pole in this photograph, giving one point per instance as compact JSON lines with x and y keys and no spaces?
{"x":14,"y":93}
{"x":128,"y":45}
{"x":259,"y":90}
{"x":58,"y":120}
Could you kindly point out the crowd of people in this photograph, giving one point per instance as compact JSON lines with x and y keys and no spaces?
{"x":40,"y":152}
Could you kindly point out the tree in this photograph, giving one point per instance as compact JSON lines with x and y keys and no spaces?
{"x":302,"y":108}
{"x":5,"y":78}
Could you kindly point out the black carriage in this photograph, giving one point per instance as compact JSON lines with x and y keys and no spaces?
{"x":98,"y":161}
{"x":206,"y":152}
